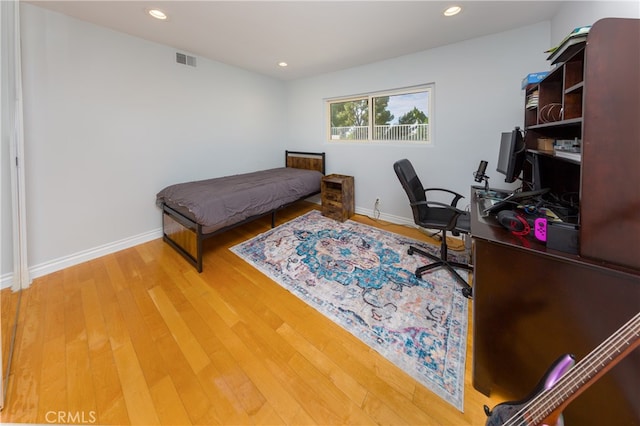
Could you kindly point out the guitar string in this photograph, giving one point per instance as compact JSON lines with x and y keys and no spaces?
{"x":589,"y":366}
{"x":569,"y":379}
{"x":538,"y":408}
{"x":567,"y":384}
{"x":597,"y":357}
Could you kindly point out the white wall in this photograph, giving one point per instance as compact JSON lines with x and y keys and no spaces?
{"x":575,"y":14}
{"x":6,"y":222}
{"x":111,"y":119}
{"x":477,"y":96}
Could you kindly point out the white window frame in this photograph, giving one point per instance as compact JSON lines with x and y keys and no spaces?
{"x":333,"y":138}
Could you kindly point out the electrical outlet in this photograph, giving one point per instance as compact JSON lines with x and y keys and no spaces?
{"x":376,"y":208}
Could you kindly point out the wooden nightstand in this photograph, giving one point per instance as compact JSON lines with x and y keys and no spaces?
{"x":337,"y":197}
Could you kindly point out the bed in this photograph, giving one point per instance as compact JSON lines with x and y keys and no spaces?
{"x":195,"y":211}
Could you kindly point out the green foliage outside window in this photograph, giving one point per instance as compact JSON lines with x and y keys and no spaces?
{"x":350,"y":118}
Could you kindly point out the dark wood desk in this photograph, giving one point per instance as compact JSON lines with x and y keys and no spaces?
{"x":531,"y":305}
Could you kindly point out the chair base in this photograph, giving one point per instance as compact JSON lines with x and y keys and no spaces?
{"x":443,"y":262}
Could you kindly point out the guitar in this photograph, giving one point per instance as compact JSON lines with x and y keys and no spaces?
{"x":563,"y":382}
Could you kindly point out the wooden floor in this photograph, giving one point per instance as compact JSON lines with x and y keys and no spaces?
{"x":139,"y":337}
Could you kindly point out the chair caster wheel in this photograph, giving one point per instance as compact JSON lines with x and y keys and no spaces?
{"x":467,"y":292}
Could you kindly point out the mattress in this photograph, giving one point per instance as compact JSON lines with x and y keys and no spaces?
{"x":224,"y":201}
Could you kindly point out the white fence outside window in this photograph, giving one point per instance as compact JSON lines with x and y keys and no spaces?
{"x":393,"y":132}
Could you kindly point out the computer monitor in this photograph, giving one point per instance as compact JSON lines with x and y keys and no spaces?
{"x":511,"y":156}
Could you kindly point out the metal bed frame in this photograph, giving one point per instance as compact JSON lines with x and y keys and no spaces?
{"x":186,"y":236}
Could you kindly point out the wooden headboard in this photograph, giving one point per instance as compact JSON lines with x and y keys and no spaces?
{"x":305,"y":160}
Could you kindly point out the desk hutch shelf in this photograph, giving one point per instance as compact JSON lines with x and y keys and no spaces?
{"x":595,"y":97}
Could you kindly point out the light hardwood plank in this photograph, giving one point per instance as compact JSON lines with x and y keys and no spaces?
{"x":255,"y":367}
{"x":23,"y":397}
{"x":322,"y":388}
{"x":230,"y":375}
{"x":339,"y":377}
{"x":195,"y":355}
{"x":169,"y":406}
{"x":135,"y":390}
{"x":243,"y":388}
{"x":80,"y":395}
{"x":9,"y":303}
{"x":225,"y":403}
{"x":193,"y":396}
{"x":141,"y":339}
{"x":111,"y":408}
{"x":358,"y":361}
{"x":53,"y":379}
{"x":377,"y":407}
{"x":53,"y":371}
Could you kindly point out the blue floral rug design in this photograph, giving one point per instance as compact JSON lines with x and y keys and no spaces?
{"x":363,"y":279}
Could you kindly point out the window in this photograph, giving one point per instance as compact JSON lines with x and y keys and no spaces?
{"x":400,"y":116}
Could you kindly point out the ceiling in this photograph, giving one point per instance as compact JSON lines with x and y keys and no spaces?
{"x":313,"y":37}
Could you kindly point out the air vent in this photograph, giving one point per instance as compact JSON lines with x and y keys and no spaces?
{"x":181,"y":58}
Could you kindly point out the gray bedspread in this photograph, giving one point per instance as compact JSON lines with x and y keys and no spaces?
{"x":219,"y":202}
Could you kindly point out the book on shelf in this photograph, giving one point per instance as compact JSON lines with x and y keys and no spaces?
{"x":569,"y":45}
{"x":532,"y":100}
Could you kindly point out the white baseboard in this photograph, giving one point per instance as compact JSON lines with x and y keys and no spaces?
{"x":83,"y":256}
{"x":401,"y":221}
{"x":386,"y":217}
{"x":6,"y":280}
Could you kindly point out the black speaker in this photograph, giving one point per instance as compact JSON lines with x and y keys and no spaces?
{"x":563,"y":237}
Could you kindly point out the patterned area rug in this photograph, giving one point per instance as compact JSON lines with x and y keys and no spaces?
{"x":363,"y":279}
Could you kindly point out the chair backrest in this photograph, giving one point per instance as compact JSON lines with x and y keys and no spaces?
{"x":412,"y":186}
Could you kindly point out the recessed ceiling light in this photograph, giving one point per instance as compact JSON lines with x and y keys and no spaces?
{"x":453,"y":10}
{"x":157,"y":13}
{"x":283,"y":64}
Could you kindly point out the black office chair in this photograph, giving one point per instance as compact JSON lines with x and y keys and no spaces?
{"x":434,"y":215}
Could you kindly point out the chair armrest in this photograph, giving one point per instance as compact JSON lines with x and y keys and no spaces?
{"x":439,"y":204}
{"x":456,"y":197}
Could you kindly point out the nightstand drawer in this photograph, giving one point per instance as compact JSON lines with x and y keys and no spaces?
{"x":332,"y":196}
{"x":337,"y":202}
{"x":335,"y":213}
